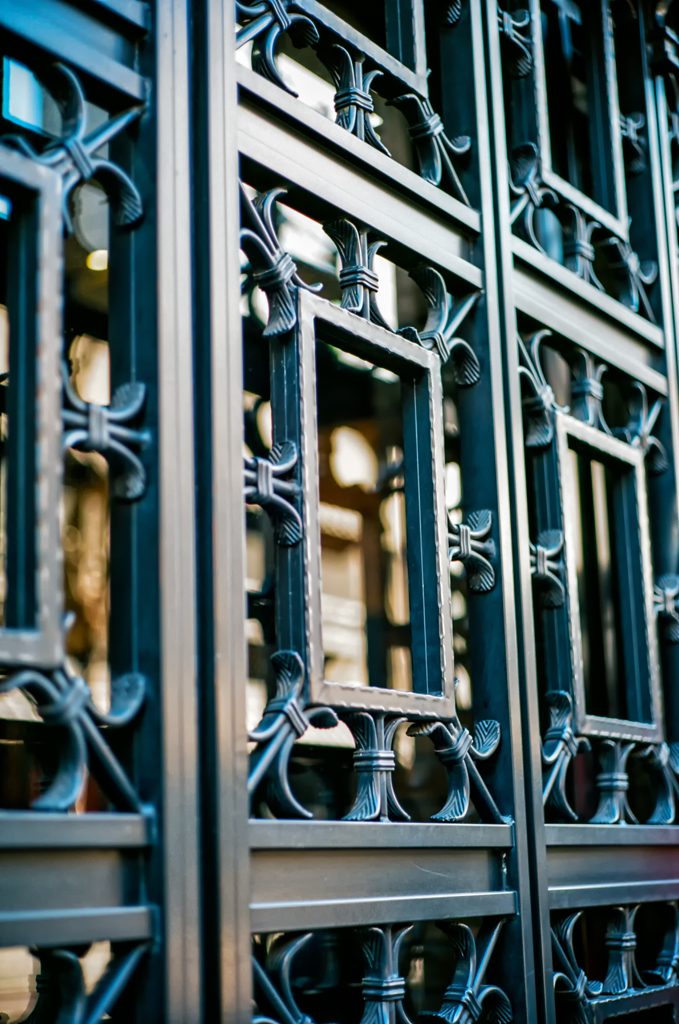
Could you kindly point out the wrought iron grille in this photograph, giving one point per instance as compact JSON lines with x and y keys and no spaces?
{"x":339,"y":540}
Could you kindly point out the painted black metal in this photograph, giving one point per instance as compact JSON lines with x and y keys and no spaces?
{"x":530,"y":197}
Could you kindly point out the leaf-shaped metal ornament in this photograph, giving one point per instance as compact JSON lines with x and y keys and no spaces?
{"x":358,"y":280}
{"x":546,"y":567}
{"x":666,"y":606}
{"x":444,"y":318}
{"x":353,"y":102}
{"x":436,"y":153}
{"x":269,"y":483}
{"x":263,"y":21}
{"x":65,"y":701}
{"x":638,"y":431}
{"x":107,"y":430}
{"x":467,"y":1000}
{"x":539,"y":404}
{"x":559,"y":747}
{"x":284,"y":720}
{"x":471,"y":544}
{"x":273,"y":270}
{"x":457,"y":751}
{"x":73,"y":156}
{"x":374,"y":763}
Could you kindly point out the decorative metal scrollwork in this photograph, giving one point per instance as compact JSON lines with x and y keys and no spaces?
{"x":358,"y":279}
{"x":266,"y":486}
{"x":587,"y":390}
{"x":572,"y":987}
{"x":559,"y":747}
{"x":471,"y":544}
{"x":540,"y":405}
{"x":638,"y":430}
{"x":666,"y":967}
{"x":435,"y":151}
{"x":383,"y":987}
{"x":578,"y":249}
{"x":263,"y":21}
{"x":529,"y":191}
{"x":621,"y":943}
{"x":105,"y":429}
{"x":444,"y":317}
{"x":275,"y":992}
{"x":545,"y":565}
{"x":458,"y":751}
{"x":273,"y":270}
{"x":515,"y":47}
{"x":634,"y":276}
{"x":285,"y":719}
{"x":353,"y":102}
{"x":467,"y":1000}
{"x":64,"y":700}
{"x":666,"y":605}
{"x":374,"y":763}
{"x":634,"y":146}
{"x":61,"y":989}
{"x":662,"y":762}
{"x":613,"y":784}
{"x":74,"y":156}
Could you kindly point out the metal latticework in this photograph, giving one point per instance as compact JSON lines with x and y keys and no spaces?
{"x":339,"y":524}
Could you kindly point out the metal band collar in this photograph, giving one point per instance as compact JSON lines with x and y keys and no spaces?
{"x":70,"y":705}
{"x":278,"y":276}
{"x":352,"y":96}
{"x":427,"y":129}
{"x":289,"y":707}
{"x":579,"y":247}
{"x":384,"y":990}
{"x":590,"y":387}
{"x":349,"y":277}
{"x":374,"y":760}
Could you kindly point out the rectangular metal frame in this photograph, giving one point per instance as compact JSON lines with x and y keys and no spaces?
{"x":608,"y":449}
{"x":425,"y":516}
{"x":618,"y":223}
{"x":42,"y":647}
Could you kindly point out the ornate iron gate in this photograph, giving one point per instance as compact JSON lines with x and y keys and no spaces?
{"x":397,"y":737}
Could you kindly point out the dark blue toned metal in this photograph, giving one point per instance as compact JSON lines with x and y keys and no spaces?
{"x":469,"y":205}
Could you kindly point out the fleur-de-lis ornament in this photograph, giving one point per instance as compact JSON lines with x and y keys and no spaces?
{"x":613,"y":784}
{"x":64,"y":700}
{"x":264,"y":21}
{"x":458,"y":751}
{"x":467,"y":1000}
{"x":559,"y":747}
{"x":383,"y":987}
{"x":545,"y":565}
{"x":284,"y":720}
{"x":578,"y":249}
{"x":634,"y":276}
{"x":638,"y":431}
{"x":666,"y":606}
{"x":471,"y":544}
{"x":515,"y":42}
{"x":539,"y":405}
{"x":358,"y":280}
{"x":587,"y":390}
{"x":529,"y":192}
{"x":273,"y":269}
{"x":74,"y":155}
{"x":106,"y":429}
{"x":444,"y":317}
{"x":266,"y":485}
{"x":353,"y":101}
{"x":374,"y":762}
{"x":435,"y":151}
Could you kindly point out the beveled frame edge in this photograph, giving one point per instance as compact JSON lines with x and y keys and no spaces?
{"x":312,"y":308}
{"x":593,"y":725}
{"x":43,"y":647}
{"x":617,"y":224}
